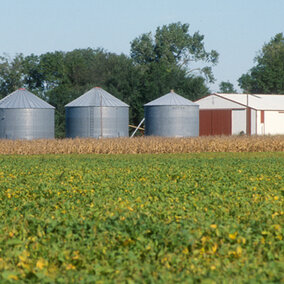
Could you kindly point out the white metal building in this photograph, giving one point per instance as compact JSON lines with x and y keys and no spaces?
{"x":227,"y":114}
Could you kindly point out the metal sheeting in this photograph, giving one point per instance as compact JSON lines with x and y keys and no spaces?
{"x":22,"y":98}
{"x":171,"y":99}
{"x":97,"y":114}
{"x":172,"y":121}
{"x":23,"y":115}
{"x":172,"y":116}
{"x":26,"y":123}
{"x":97,"y":122}
{"x":239,"y":117}
{"x":256,"y":101}
{"x":97,"y":97}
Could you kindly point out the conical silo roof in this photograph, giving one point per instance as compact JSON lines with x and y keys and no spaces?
{"x":171,"y":99}
{"x":22,"y":98}
{"x":97,"y":97}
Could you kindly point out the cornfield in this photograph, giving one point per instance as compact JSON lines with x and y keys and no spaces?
{"x":144,"y":145}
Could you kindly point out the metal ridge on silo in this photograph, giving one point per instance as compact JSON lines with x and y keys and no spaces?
{"x":171,"y":99}
{"x":96,"y":97}
{"x":23,"y":99}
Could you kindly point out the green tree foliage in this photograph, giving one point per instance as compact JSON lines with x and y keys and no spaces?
{"x":33,"y":74}
{"x":226,"y":87}
{"x":268,"y":74}
{"x":173,"y":46}
{"x":11,"y":71}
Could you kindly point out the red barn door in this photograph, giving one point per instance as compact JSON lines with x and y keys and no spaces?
{"x":205,"y":122}
{"x":215,"y":122}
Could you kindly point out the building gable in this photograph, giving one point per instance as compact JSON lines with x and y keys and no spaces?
{"x":216,"y":102}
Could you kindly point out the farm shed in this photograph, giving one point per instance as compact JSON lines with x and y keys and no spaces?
{"x":171,"y":116}
{"x":23,"y":115}
{"x":229,"y":114}
{"x":97,"y":114}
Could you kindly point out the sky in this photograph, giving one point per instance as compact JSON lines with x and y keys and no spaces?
{"x":237,"y":29}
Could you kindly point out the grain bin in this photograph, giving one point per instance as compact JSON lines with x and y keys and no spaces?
{"x":23,"y":115}
{"x":171,"y":116}
{"x":97,"y":114}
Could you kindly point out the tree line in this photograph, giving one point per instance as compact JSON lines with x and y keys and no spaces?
{"x":157,"y":63}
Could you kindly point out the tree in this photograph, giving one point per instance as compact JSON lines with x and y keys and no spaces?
{"x":172,"y":45}
{"x":226,"y":87}
{"x":33,"y":75}
{"x":167,"y":60}
{"x":11,"y":74}
{"x":268,"y":74}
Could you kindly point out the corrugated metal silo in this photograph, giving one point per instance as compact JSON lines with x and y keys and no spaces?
{"x":172,"y":116}
{"x":97,"y":114}
{"x":23,"y":115}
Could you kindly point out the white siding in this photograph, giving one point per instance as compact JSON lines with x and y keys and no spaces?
{"x":253,"y":119}
{"x":215,"y":102}
{"x":238,"y":121}
{"x":257,"y":101}
{"x":259,"y":125}
{"x":272,"y":105}
{"x":273,"y":122}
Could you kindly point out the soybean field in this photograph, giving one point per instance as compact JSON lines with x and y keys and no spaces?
{"x":186,"y":218}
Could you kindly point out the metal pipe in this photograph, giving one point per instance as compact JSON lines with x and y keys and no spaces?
{"x":137,"y":127}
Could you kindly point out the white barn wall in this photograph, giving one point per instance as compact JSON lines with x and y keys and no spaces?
{"x":215,"y":102}
{"x":259,"y":125}
{"x":273,"y":122}
{"x":238,"y":121}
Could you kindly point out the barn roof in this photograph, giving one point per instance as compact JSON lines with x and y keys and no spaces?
{"x":22,"y":98}
{"x":96,"y":97}
{"x":171,"y":99}
{"x":256,"y":101}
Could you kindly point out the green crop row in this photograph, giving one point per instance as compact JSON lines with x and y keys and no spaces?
{"x":142,"y":218}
